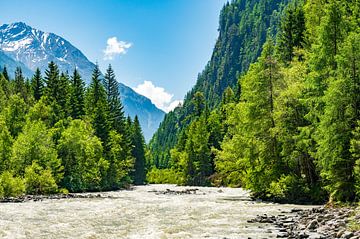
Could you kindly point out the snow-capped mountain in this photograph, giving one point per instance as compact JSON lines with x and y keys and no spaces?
{"x":30,"y":48}
{"x":36,"y":48}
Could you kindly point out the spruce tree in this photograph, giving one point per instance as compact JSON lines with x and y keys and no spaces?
{"x":292,"y":33}
{"x":52,"y":79}
{"x":77,"y":100}
{"x":339,"y":122}
{"x":64,"y":95}
{"x":19,"y":82}
{"x":37,"y":85}
{"x":52,"y":90}
{"x":138,"y":152}
{"x":97,"y":106}
{"x":5,"y":74}
{"x":116,"y":111}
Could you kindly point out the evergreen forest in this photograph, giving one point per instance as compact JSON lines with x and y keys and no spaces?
{"x":276,"y":109}
{"x":59,"y":136}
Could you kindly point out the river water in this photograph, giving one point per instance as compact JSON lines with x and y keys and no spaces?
{"x":142,"y":213}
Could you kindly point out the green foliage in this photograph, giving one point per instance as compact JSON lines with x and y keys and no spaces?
{"x":82,"y":156}
{"x":45,"y":145}
{"x":14,"y":114}
{"x":37,"y":85}
{"x":35,"y":144}
{"x":39,"y":180}
{"x":97,"y":106}
{"x":194,"y":157}
{"x":167,"y":175}
{"x":11,"y":186}
{"x":116,"y":111}
{"x":5,"y":146}
{"x":138,"y":152}
{"x":243,"y":26}
{"x":77,"y":96}
{"x":121,"y":162}
{"x":292,"y":32}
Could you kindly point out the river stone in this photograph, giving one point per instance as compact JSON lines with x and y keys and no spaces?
{"x":347,"y":235}
{"x":312,"y":225}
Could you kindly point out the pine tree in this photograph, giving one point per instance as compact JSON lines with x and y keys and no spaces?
{"x":52,"y":90}
{"x":37,"y":84}
{"x":97,"y":107}
{"x":116,"y":111}
{"x":19,"y":83}
{"x":5,"y":74}
{"x":138,"y":152}
{"x":335,"y":132}
{"x":77,"y":100}
{"x":64,"y":95}
{"x":52,"y":79}
{"x":292,"y":32}
{"x":251,"y":156}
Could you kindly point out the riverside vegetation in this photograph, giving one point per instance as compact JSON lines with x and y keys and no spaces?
{"x":277,"y":108}
{"x":56,"y":135}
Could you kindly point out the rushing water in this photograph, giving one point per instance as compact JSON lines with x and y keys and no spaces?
{"x":142,"y":213}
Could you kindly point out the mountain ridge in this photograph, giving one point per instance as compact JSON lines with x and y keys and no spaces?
{"x":30,"y":48}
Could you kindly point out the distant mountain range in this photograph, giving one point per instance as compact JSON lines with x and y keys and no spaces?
{"x":30,"y":48}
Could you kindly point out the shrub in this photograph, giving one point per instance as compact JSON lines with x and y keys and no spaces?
{"x":39,"y":180}
{"x":11,"y":186}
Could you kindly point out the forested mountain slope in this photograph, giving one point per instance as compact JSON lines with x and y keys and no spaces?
{"x":292,"y":133}
{"x":243,"y":27}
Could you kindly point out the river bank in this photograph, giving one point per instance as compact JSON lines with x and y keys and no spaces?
{"x":327,"y":223}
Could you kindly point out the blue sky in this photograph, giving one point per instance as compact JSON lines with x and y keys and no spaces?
{"x":157,"y":47}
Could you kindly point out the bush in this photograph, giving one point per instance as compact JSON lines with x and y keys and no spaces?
{"x":11,"y":186}
{"x":167,"y":175}
{"x":39,"y":180}
{"x":289,"y":188}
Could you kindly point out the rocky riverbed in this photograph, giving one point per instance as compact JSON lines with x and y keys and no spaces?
{"x":326,"y":223}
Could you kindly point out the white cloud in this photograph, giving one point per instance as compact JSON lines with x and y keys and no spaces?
{"x":158,"y":96}
{"x":115,"y":47}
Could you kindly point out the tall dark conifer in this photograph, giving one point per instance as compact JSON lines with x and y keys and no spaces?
{"x":5,"y":73}
{"x":19,"y":81}
{"x":97,"y":107}
{"x":37,"y":84}
{"x":116,"y":111}
{"x":138,"y":152}
{"x":77,"y":101}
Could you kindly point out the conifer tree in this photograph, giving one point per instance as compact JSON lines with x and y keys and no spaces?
{"x":116,"y":111}
{"x":52,"y":76}
{"x":37,"y":84}
{"x":77,"y":100}
{"x":292,"y":32}
{"x":138,"y":152}
{"x":52,"y":90}
{"x":5,"y":74}
{"x":19,"y":83}
{"x":253,"y":151}
{"x":64,"y":95}
{"x":339,"y":121}
{"x":97,"y":107}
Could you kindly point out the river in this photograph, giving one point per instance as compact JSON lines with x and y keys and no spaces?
{"x":142,"y":213}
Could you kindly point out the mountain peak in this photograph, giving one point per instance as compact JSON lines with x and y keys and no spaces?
{"x":36,"y":49}
{"x":22,"y":45}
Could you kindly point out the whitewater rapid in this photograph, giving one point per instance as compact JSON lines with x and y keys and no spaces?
{"x":143,"y":213}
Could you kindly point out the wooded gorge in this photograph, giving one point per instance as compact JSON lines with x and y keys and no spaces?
{"x":276,"y":109}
